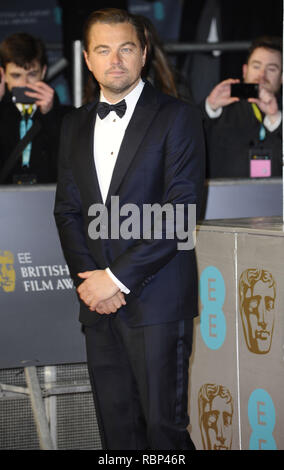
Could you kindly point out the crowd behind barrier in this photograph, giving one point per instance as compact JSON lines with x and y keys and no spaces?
{"x":257,"y":151}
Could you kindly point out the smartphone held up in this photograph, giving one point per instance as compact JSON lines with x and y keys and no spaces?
{"x":244,"y":90}
{"x":19,"y":95}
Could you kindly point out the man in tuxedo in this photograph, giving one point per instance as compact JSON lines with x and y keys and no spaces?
{"x":138,"y":296}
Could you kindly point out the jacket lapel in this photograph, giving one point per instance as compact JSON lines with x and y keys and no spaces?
{"x":144,"y":112}
{"x":86,"y":150}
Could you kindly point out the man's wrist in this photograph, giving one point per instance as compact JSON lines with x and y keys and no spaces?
{"x":119,"y":284}
{"x":212,"y":113}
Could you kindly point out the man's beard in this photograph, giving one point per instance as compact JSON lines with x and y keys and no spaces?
{"x":119,"y":86}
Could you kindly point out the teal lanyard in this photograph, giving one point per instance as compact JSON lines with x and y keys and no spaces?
{"x":25,"y":125}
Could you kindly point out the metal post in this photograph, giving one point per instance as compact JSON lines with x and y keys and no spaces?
{"x":38,"y":408}
{"x":51,"y":402}
{"x":77,"y":73}
{"x":56,"y":68}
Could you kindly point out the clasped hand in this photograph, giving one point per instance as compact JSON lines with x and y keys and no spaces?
{"x":99,"y":292}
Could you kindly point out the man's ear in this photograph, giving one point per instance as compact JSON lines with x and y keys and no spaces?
{"x":2,"y":74}
{"x":144,"y":56}
{"x":86,"y":59}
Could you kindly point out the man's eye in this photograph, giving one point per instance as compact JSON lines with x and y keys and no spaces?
{"x":126,"y":50}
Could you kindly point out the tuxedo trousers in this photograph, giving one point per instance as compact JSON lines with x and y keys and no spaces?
{"x":139,"y":379}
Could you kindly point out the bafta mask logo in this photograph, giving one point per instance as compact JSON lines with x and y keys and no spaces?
{"x":7,"y":272}
{"x":257,"y":293}
{"x":216,"y":410}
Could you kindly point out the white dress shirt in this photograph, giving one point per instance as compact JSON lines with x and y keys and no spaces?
{"x":108,"y":135}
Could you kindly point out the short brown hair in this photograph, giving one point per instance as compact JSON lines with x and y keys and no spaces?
{"x":273,"y":43}
{"x":109,"y":16}
{"x":22,"y":49}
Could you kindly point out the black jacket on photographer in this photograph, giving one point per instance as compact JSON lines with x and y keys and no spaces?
{"x":42,"y":166}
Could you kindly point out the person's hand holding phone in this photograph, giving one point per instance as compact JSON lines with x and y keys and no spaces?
{"x":267,"y":103}
{"x":220,"y":96}
{"x":43,"y":95}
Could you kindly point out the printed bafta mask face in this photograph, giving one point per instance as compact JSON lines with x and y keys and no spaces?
{"x":257,"y":308}
{"x":7,"y":272}
{"x":215,"y":417}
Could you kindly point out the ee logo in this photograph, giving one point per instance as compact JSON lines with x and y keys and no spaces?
{"x":212,"y":295}
{"x":261,"y":414}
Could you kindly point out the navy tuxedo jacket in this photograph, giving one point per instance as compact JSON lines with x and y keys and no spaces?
{"x":161,"y":160}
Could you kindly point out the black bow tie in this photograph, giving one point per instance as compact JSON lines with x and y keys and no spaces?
{"x":104,"y":108}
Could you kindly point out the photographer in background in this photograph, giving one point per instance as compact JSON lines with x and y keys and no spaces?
{"x":34,"y":116}
{"x":244,"y":133}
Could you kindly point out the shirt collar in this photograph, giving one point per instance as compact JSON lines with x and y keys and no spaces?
{"x":21,"y":108}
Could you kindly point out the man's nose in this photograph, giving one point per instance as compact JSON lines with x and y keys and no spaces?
{"x":116,"y":57}
{"x":261,"y":75}
{"x":24,"y":81}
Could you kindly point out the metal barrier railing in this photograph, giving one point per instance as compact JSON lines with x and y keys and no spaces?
{"x":181,"y":48}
